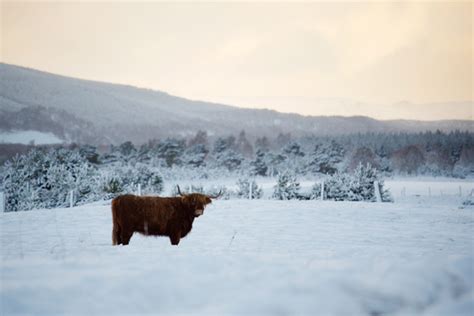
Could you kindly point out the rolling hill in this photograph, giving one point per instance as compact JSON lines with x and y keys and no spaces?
{"x":83,"y":111}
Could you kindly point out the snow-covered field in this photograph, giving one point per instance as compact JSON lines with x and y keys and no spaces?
{"x":260,"y":257}
{"x":26,"y":137}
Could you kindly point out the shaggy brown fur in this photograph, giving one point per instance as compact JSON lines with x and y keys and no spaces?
{"x":158,"y":216}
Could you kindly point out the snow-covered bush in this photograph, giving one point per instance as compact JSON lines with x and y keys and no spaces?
{"x":244,"y":185}
{"x":287,"y":187}
{"x":118,"y":179}
{"x":356,"y":186}
{"x":112,"y":186}
{"x":468,"y":202}
{"x":44,"y":178}
{"x":315,"y":192}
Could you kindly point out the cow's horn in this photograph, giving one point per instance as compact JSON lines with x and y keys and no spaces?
{"x":179,"y":191}
{"x":217,"y":195}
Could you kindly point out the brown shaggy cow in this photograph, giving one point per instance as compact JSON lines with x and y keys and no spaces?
{"x":158,"y":216}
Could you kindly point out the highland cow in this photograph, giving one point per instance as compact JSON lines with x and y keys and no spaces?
{"x":157,"y":216}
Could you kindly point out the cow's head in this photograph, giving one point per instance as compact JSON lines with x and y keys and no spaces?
{"x":196,"y":201}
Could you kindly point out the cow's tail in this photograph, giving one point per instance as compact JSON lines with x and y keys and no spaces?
{"x":116,"y":230}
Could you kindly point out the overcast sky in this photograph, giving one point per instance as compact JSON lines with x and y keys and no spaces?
{"x":375,"y":59}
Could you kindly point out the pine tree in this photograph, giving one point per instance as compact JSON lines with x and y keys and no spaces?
{"x":356,"y":186}
{"x":243,"y":145}
{"x":225,"y":154}
{"x":244,"y":185}
{"x":259,"y":166}
{"x":199,"y":139}
{"x":127,"y":150}
{"x":171,"y":150}
{"x":293,"y":149}
{"x":118,"y":179}
{"x":230,"y":159}
{"x":326,"y":157}
{"x":195,"y":155}
{"x":44,"y":178}
{"x":287,"y":187}
{"x":263,"y":144}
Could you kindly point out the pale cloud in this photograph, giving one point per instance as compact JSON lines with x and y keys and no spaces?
{"x":375,"y":32}
{"x":237,"y":48}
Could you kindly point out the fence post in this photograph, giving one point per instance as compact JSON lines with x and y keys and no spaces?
{"x":139,"y":189}
{"x":460,"y":191}
{"x":2,"y":202}
{"x":322,"y":190}
{"x":250,"y":190}
{"x":378,"y":196}
{"x":71,"y":198}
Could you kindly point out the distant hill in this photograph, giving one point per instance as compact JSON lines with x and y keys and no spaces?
{"x":85,"y":111}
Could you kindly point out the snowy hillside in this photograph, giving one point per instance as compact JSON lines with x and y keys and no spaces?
{"x":244,"y":257}
{"x":95,"y":112}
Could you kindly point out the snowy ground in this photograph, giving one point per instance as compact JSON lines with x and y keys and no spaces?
{"x":414,"y":256}
{"x":27,"y":137}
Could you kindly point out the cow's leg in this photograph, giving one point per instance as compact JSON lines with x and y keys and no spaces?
{"x":116,"y":235}
{"x":175,"y":237}
{"x":126,"y":235}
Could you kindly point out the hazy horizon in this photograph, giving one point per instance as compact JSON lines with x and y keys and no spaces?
{"x":382,"y":60}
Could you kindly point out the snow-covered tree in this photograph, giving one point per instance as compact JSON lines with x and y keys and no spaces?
{"x":195,"y":155}
{"x":259,"y":165}
{"x":356,"y":186}
{"x":326,"y":158}
{"x":127,"y":149}
{"x":294,"y":157}
{"x":225,"y":154}
{"x":363,"y":155}
{"x":44,"y":178}
{"x":199,"y":139}
{"x":90,"y":153}
{"x":283,"y":139}
{"x":171,"y":150}
{"x":230,"y":159}
{"x":464,"y":167}
{"x":263,"y":144}
{"x":287,"y":187}
{"x":224,"y":144}
{"x":276,"y":163}
{"x":293,"y":149}
{"x":112,"y":187}
{"x":243,"y":145}
{"x":244,"y":185}
{"x":408,"y":159}
{"x":118,"y":179}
